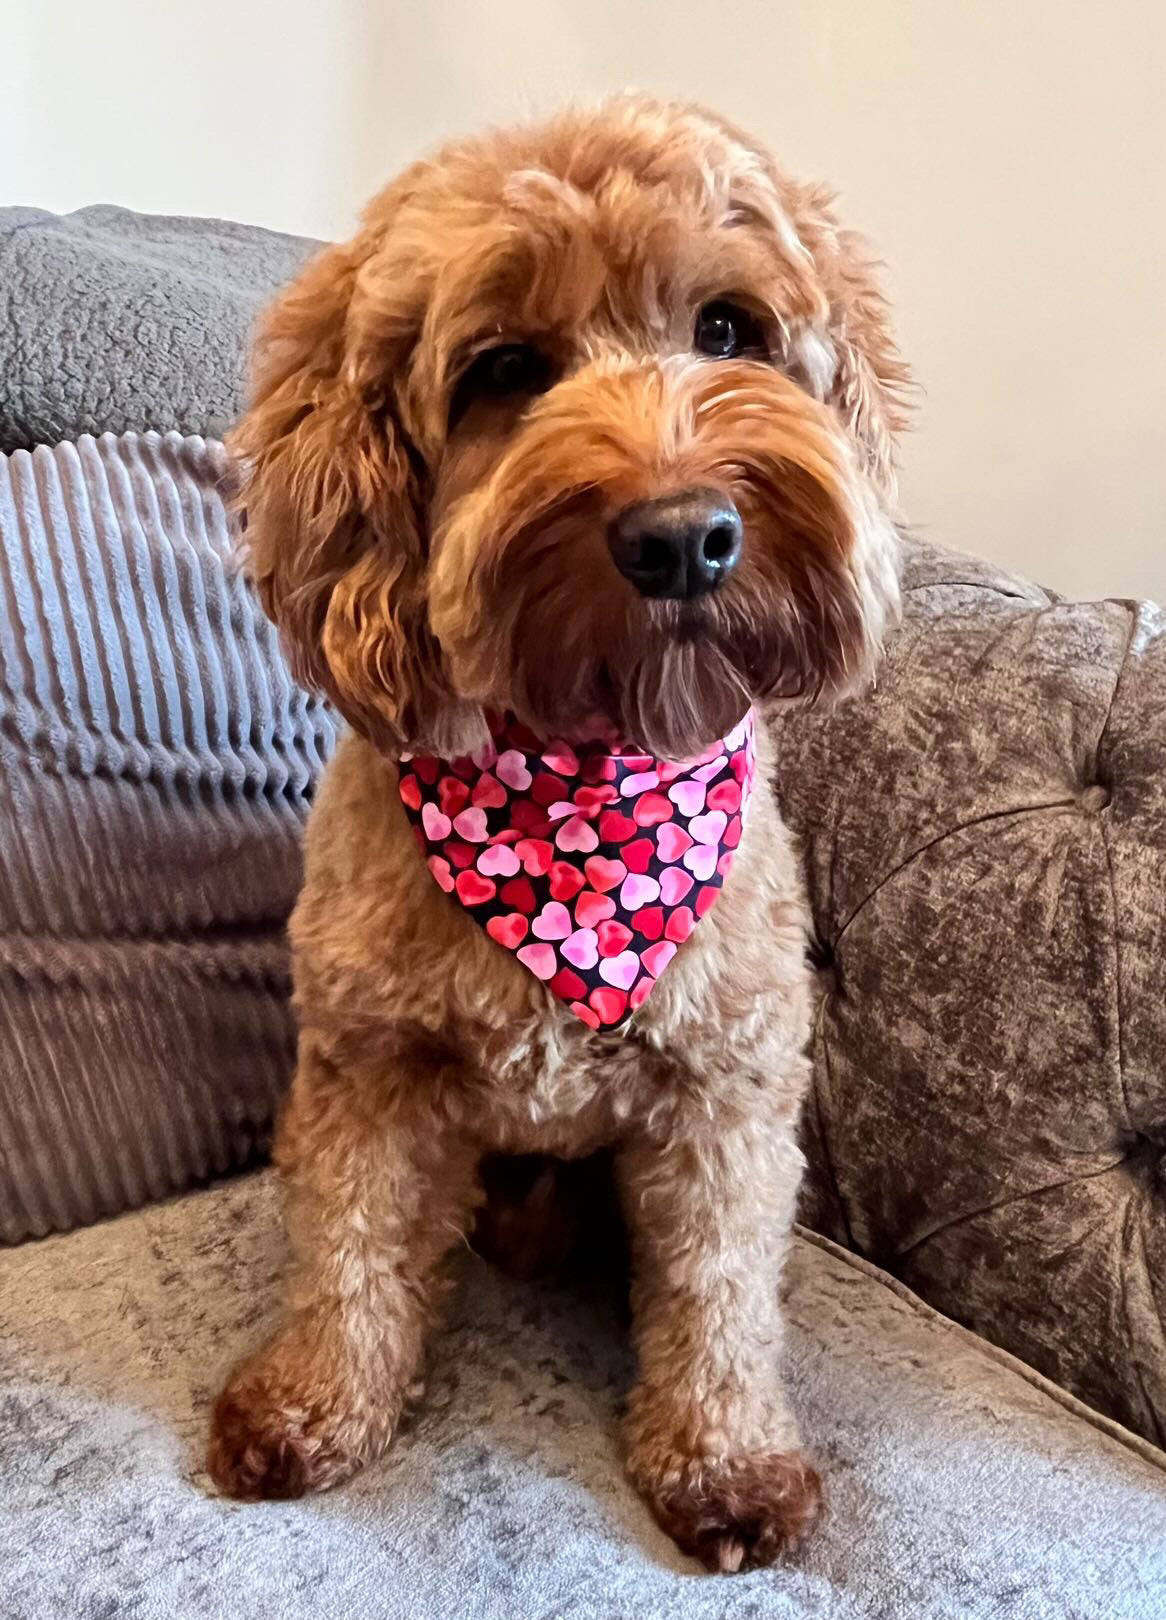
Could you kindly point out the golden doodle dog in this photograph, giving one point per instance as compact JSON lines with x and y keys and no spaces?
{"x":572,"y":464}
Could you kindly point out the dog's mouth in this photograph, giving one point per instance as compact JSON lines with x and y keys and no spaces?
{"x":662,"y":676}
{"x":559,"y":638}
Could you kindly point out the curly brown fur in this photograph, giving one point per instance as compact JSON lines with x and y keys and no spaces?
{"x":431,"y":550}
{"x":741,"y":1512}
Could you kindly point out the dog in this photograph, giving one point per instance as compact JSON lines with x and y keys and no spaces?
{"x":576,"y":463}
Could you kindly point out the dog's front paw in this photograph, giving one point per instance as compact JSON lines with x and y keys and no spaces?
{"x":267,"y":1444}
{"x":735,"y":1512}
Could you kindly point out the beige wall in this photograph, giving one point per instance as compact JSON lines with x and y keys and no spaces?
{"x":1008,"y":157}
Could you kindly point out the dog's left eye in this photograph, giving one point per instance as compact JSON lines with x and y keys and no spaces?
{"x":504,"y":372}
{"x":724,"y":330}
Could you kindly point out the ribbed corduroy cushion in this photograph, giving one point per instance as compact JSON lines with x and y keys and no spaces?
{"x":156,"y":764}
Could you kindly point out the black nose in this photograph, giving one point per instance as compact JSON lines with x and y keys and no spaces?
{"x":677,"y":546}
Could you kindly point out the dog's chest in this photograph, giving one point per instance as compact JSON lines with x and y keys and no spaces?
{"x":541,"y":1081}
{"x":569,"y":1102}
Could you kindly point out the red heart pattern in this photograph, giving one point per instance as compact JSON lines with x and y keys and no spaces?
{"x":509,"y":930}
{"x":617,"y":855}
{"x":565,"y":880}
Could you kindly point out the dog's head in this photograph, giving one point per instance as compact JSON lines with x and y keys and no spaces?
{"x":591,"y":421}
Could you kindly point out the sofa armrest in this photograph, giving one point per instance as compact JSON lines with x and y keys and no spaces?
{"x":986,"y":846}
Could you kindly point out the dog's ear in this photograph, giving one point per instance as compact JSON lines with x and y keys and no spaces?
{"x":871,"y":384}
{"x":332,"y":500}
{"x":862,"y":376}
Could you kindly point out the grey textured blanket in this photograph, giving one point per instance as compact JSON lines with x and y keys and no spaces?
{"x":118,"y":322}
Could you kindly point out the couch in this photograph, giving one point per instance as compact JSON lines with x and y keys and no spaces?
{"x":976,"y":1292}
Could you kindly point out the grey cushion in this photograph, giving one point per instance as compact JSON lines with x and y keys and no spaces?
{"x":959,"y":1485}
{"x":986,"y":841}
{"x":115,"y":321}
{"x":155,"y":767}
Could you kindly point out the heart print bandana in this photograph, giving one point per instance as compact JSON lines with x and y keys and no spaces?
{"x":591,"y":864}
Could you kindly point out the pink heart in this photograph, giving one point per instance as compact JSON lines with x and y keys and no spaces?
{"x":535,"y":854}
{"x":705,"y":773}
{"x":640,"y":994}
{"x":511,"y":769}
{"x":688,"y":796}
{"x":657,"y":957}
{"x":650,"y":809}
{"x":603,"y":874}
{"x":485,"y":756}
{"x":441,"y":871}
{"x":621,"y":970}
{"x":672,"y":841}
{"x":582,"y":949}
{"x":540,"y":959}
{"x":591,"y":909}
{"x":489,"y":792}
{"x":435,"y":824}
{"x":590,"y":798}
{"x":674,"y":885}
{"x":576,"y":834}
{"x":561,"y":758}
{"x":640,"y":782}
{"x":639,"y":891}
{"x":713,"y":751}
{"x":498,"y":860}
{"x":701,"y":860}
{"x":681,"y":922}
{"x":509,"y":931}
{"x":473,"y":889}
{"x":552,"y":922}
{"x":726,"y":796}
{"x":706,"y":829}
{"x":471,"y":825}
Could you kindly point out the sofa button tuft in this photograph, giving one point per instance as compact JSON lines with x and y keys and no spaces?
{"x":1094,"y":798}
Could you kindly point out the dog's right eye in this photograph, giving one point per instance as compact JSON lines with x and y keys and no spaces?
{"x":505,"y":372}
{"x":725,"y":330}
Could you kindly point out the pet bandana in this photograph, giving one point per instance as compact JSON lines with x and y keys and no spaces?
{"x":590,"y":863}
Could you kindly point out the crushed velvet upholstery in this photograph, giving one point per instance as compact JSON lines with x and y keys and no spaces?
{"x":961,"y":1486}
{"x":986,"y":845}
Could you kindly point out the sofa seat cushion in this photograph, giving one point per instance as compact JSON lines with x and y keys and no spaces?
{"x":960,"y":1484}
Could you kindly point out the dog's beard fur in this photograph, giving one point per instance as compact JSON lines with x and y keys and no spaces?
{"x":532,"y":615}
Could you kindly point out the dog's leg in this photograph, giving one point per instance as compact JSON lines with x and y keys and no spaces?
{"x":711,"y":1441}
{"x":376,"y":1197}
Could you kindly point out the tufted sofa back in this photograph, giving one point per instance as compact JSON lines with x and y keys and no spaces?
{"x":986,"y":845}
